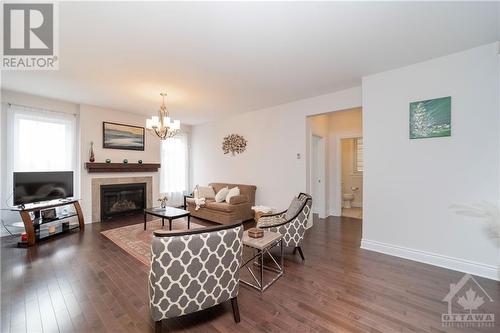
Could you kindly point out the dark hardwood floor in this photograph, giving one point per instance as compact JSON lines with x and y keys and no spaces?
{"x":83,"y":282}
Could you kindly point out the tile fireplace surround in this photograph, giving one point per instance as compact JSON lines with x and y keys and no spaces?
{"x":96,"y":191}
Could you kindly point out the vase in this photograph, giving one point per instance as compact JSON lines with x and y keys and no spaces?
{"x":92,"y":156}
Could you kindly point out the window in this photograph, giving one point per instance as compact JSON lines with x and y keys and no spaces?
{"x":358,"y":155}
{"x":174,"y":168}
{"x":39,"y":140}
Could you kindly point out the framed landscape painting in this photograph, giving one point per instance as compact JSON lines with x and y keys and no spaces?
{"x":430,"y":118}
{"x":120,"y":136}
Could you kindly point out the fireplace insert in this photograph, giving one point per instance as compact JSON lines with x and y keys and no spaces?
{"x":122,"y":199}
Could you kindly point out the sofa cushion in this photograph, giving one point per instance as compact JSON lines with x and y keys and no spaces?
{"x":232,"y":192}
{"x":238,"y":199}
{"x":294,"y":208}
{"x":222,"y":194}
{"x":221,"y":206}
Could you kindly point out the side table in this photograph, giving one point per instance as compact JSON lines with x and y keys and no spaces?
{"x":185,"y":197}
{"x":260,"y":247}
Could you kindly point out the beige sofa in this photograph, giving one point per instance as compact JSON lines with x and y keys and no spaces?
{"x":238,"y":208}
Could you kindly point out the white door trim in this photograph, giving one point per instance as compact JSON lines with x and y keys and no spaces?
{"x":320,"y":207}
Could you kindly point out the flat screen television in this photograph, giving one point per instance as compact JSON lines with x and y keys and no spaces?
{"x":30,"y":187}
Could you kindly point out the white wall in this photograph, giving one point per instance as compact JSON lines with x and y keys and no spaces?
{"x":409,"y":185}
{"x":91,"y":119}
{"x":275,"y":136}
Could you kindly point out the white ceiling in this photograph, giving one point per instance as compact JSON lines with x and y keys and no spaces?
{"x":215,"y":59}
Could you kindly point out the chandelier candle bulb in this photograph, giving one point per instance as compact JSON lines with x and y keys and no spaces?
{"x":154,"y":121}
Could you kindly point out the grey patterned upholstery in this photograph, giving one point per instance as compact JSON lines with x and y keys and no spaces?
{"x":292,"y":229}
{"x":192,"y":270}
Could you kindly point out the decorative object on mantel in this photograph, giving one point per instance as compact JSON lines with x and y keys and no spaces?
{"x":92,"y":156}
{"x":108,"y":160}
{"x":162,"y":124}
{"x":163,"y":201}
{"x":234,"y":143}
{"x":122,"y":167}
{"x":140,"y":161}
{"x":125,"y":161}
{"x":430,"y":118}
{"x":120,"y":136}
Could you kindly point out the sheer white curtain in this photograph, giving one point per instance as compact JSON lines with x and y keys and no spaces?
{"x":39,"y":140}
{"x":174,"y":168}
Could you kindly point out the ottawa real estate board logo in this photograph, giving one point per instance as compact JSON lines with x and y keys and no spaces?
{"x":30,"y":36}
{"x":466,"y":300}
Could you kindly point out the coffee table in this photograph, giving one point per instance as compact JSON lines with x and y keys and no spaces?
{"x":169,"y":213}
{"x":261,"y":246}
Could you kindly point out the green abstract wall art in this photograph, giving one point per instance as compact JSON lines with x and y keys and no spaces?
{"x":430,"y":118}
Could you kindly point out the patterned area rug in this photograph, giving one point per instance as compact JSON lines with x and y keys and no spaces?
{"x":137,"y":242}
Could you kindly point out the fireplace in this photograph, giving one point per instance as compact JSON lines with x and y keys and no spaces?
{"x":122,"y":199}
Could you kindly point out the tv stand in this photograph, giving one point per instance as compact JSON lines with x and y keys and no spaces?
{"x":32,"y":225}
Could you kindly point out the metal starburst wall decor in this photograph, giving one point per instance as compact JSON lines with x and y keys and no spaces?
{"x":234,"y":143}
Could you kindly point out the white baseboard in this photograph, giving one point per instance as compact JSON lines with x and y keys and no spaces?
{"x":333,"y":212}
{"x":466,"y":266}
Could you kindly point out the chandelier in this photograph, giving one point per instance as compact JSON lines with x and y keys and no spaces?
{"x":163,"y":126}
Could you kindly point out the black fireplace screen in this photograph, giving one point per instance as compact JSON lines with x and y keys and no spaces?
{"x":122,"y":199}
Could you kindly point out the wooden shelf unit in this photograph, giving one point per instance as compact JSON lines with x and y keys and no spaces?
{"x":122,"y":167}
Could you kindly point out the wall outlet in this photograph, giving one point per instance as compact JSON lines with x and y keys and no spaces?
{"x":298,"y":156}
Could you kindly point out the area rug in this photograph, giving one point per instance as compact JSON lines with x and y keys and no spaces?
{"x":136,"y":241}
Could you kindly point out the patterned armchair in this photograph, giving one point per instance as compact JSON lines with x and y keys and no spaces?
{"x":195,"y":269}
{"x":291,"y":223}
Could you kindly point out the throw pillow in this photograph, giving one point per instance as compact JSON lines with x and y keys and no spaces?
{"x":232,"y":192}
{"x":222,"y":194}
{"x":206,"y":192}
{"x":294,"y":208}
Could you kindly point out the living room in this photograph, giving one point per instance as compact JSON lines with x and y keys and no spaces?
{"x":158,"y":173}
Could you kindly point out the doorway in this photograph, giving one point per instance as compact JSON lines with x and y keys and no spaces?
{"x":318,"y":175}
{"x":325,"y":133}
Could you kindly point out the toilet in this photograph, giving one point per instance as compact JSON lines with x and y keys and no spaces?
{"x":347,"y":198}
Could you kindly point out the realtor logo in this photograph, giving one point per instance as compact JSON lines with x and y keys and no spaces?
{"x":464,"y":302}
{"x":29,"y":36}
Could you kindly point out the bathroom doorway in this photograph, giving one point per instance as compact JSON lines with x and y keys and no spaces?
{"x":324,"y":135}
{"x":352,"y":167}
